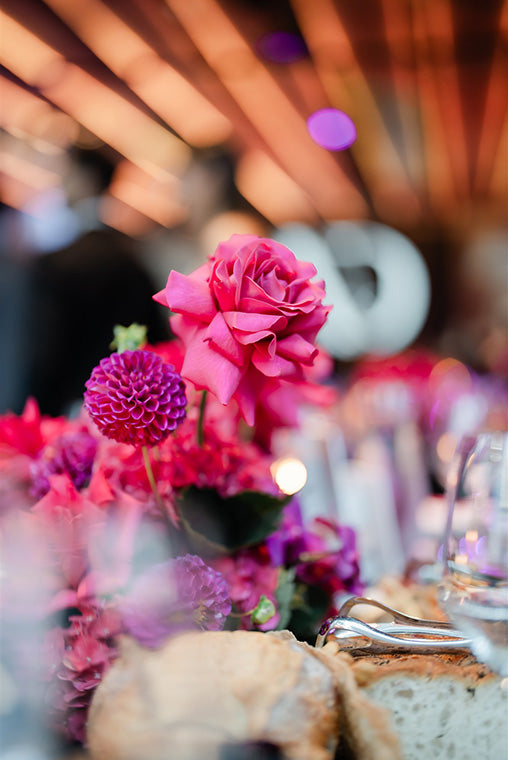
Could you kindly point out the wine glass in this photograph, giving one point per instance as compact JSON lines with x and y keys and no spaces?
{"x":474,"y":588}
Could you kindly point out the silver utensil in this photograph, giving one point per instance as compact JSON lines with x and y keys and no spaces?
{"x":404,"y":632}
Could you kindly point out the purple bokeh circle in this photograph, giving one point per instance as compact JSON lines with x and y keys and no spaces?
{"x":282,"y":47}
{"x":332,"y":129}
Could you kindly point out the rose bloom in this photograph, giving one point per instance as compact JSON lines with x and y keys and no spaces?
{"x":251,"y":312}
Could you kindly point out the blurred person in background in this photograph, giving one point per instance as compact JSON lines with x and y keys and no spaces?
{"x":85,"y":279}
{"x":477,"y":331}
{"x":214,"y":210}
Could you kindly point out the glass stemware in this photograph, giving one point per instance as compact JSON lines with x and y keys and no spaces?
{"x":474,"y":588}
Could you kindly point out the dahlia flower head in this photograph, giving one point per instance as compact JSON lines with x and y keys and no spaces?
{"x":175,"y":595}
{"x":135,"y":397}
{"x":247,"y":316}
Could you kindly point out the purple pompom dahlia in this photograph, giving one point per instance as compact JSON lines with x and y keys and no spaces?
{"x":135,"y":397}
{"x":176,"y":595}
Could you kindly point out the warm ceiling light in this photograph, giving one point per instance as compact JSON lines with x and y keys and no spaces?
{"x":268,"y":107}
{"x":438,"y":167}
{"x":119,"y":215}
{"x":27,"y":172}
{"x":93,"y":104}
{"x":269,"y":189}
{"x":15,"y":192}
{"x":25,"y":114}
{"x":498,"y":185}
{"x":25,"y":54}
{"x":156,"y":199}
{"x":161,"y":87}
{"x":493,"y":142}
{"x":341,"y":76}
{"x":103,"y":111}
{"x":438,"y":18}
{"x":170,"y":95}
{"x":222,"y":226}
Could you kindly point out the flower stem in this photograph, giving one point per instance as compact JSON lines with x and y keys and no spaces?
{"x":201,"y":418}
{"x":151,"y":480}
{"x":241,"y":614}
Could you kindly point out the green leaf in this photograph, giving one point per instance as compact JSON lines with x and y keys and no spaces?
{"x":214,"y":524}
{"x":264,"y":610}
{"x":284,"y":596}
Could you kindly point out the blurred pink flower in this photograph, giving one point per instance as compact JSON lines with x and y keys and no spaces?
{"x":282,"y":402}
{"x":67,"y":522}
{"x":75,"y":660}
{"x":251,"y":313}
{"x":22,"y":438}
{"x":248,"y":574}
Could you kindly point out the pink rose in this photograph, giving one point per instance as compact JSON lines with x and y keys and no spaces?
{"x":250,"y":313}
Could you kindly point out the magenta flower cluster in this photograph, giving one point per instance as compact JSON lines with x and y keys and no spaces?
{"x":85,"y":509}
{"x":135,"y":397}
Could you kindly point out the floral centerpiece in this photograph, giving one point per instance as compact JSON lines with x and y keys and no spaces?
{"x":155,"y":510}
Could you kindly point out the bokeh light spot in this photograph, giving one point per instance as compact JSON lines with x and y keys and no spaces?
{"x":332,"y":129}
{"x":290,"y":474}
{"x":282,"y":47}
{"x":446,"y":447}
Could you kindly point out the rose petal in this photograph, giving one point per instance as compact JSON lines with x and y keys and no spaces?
{"x":186,"y":295}
{"x":160,"y":297}
{"x":248,"y":322}
{"x":308,"y":325}
{"x":253,"y":338}
{"x":225,"y":288}
{"x":184,"y":327}
{"x":247,"y":393}
{"x":229,"y":249}
{"x":208,"y":369}
{"x":252,"y":290}
{"x":223,"y":341}
{"x":296,"y":348}
{"x":274,"y":366}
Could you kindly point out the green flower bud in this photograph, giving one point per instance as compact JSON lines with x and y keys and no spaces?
{"x":264,"y":611}
{"x":128,"y":338}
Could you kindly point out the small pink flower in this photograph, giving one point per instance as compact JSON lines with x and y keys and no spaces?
{"x":76,"y":659}
{"x":252,"y":312}
{"x":249,"y":574}
{"x":224,"y":462}
{"x":67,"y":521}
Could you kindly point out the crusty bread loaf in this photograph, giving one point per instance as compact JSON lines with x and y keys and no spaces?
{"x":442,"y":706}
{"x":204,"y":690}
